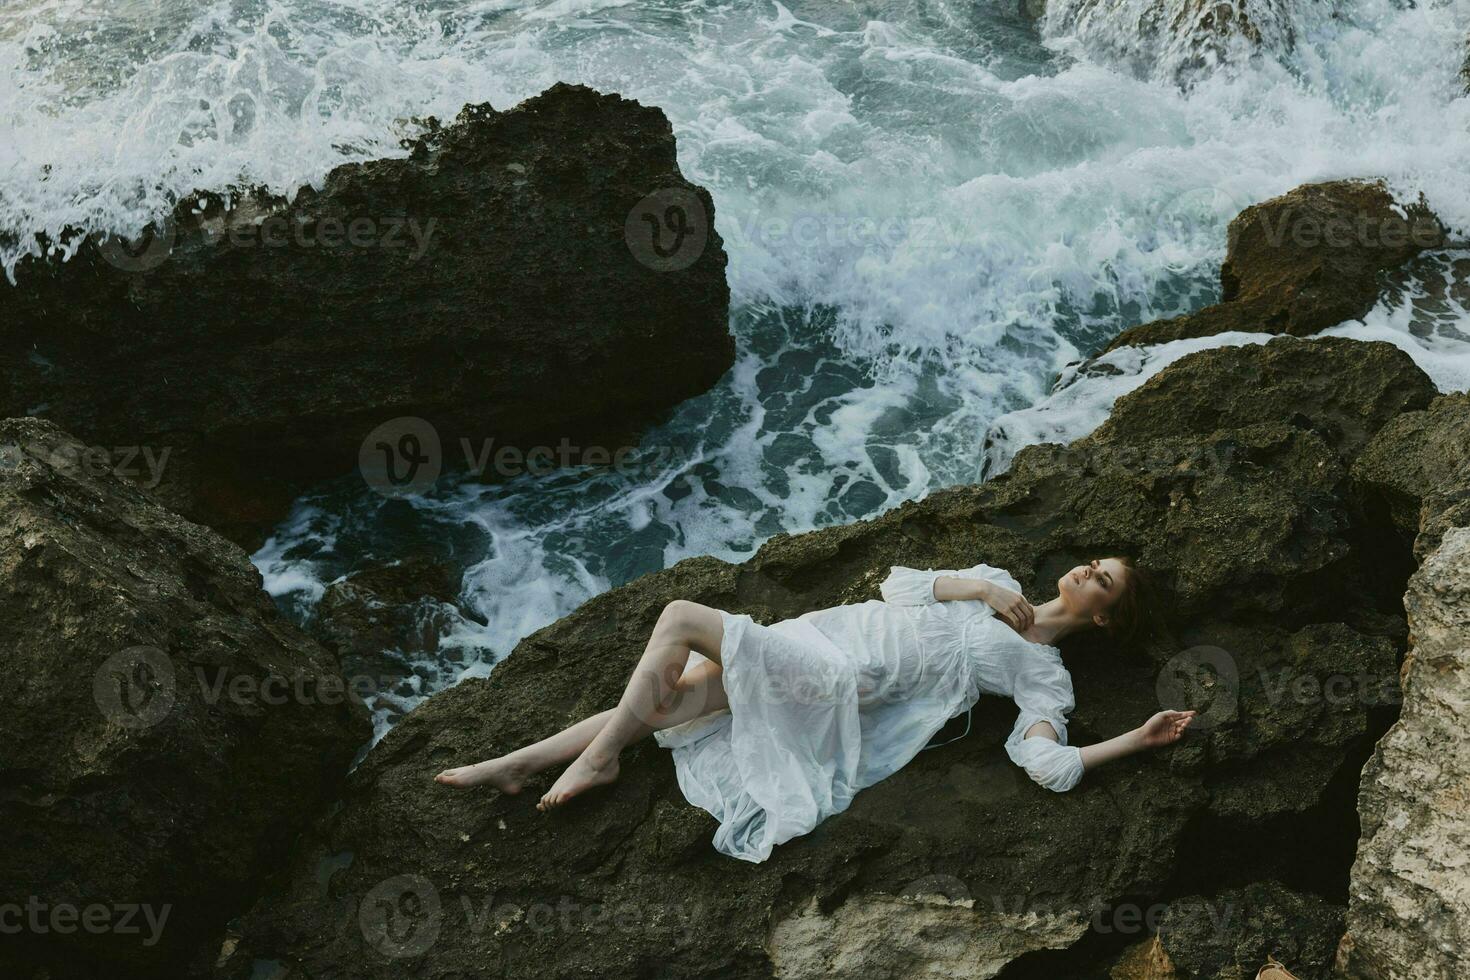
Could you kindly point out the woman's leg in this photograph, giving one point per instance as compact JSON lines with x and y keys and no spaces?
{"x":698,"y":692}
{"x":651,"y":695}
{"x":507,"y":772}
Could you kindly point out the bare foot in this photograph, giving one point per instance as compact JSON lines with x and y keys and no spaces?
{"x":503,"y":773}
{"x":583,"y":774}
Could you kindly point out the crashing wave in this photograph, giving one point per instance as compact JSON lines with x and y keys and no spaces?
{"x":1178,"y":40}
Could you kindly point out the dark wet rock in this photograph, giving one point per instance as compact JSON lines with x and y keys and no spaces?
{"x":167,"y":732}
{"x":405,"y":606}
{"x":1409,"y":915}
{"x":1307,"y":260}
{"x":497,"y":283}
{"x":1245,"y":385}
{"x":1229,"y":936}
{"x":962,"y":862}
{"x":1276,"y":735}
{"x":1414,"y":477}
{"x":392,"y":625}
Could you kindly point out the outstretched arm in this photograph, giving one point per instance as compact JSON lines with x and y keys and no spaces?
{"x":1164,"y":728}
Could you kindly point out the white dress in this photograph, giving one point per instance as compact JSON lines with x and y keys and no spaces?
{"x":836,"y":699}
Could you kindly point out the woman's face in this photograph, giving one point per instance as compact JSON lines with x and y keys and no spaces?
{"x":1092,"y":588}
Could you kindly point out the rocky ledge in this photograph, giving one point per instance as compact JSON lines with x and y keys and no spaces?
{"x":167,"y":732}
{"x":1307,"y":260}
{"x":529,"y":276}
{"x":1282,"y":622}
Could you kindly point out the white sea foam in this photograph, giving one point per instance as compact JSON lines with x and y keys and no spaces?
{"x":1429,"y":317}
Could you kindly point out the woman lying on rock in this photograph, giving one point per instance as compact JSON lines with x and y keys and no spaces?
{"x":774,"y":728}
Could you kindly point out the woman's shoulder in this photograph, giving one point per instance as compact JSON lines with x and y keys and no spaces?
{"x":1045,"y":649}
{"x":994,"y":572}
{"x":1045,"y":660}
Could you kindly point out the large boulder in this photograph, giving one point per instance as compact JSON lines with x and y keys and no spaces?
{"x":1304,"y":261}
{"x":963,"y":863}
{"x":519,"y":276}
{"x":1250,"y":384}
{"x":1409,"y":911}
{"x":167,"y":732}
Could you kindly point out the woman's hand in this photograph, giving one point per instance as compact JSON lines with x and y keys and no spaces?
{"x":1010,"y":606}
{"x":1165,"y":728}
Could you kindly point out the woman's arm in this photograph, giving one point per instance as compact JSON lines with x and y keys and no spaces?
{"x":948,"y":588}
{"x":1008,"y":603}
{"x":906,"y":586}
{"x":1164,"y":728}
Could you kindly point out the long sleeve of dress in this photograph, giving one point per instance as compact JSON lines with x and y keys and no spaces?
{"x":915,"y":587}
{"x":1043,"y":692}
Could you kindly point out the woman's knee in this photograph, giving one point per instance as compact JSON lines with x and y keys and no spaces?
{"x":678,"y":618}
{"x":677,"y":611}
{"x":690,"y":622}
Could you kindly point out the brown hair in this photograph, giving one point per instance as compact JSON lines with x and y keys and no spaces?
{"x":1129,"y":615}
